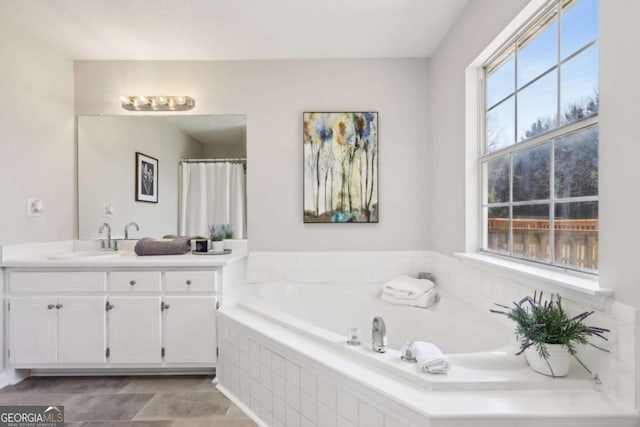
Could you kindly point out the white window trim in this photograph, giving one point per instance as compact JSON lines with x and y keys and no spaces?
{"x":583,"y":288}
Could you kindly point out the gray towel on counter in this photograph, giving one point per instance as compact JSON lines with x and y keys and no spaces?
{"x":149,"y":246}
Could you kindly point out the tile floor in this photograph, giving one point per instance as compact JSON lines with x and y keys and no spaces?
{"x":142,"y":401}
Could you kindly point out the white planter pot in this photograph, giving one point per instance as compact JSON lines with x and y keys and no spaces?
{"x":557,"y":365}
{"x":217,"y":246}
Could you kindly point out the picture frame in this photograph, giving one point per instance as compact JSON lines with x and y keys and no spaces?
{"x":146,"y":178}
{"x":340,"y":167}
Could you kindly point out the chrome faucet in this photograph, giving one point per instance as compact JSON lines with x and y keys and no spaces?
{"x":126,"y":229}
{"x":379,"y":335}
{"x":108,"y":241}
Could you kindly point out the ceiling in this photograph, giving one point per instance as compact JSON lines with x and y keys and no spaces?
{"x":236,"y":29}
{"x":212,"y":129}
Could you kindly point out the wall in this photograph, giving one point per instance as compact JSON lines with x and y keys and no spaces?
{"x":619,"y":104}
{"x":37,"y":123}
{"x":274,"y":94}
{"x":106,"y":167}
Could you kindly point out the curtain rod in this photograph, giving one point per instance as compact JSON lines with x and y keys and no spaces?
{"x":236,"y":160}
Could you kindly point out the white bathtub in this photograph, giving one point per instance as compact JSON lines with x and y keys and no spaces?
{"x":284,"y":345}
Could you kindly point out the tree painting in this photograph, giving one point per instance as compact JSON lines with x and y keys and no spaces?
{"x":340,"y":167}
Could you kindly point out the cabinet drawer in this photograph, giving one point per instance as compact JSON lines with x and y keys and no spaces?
{"x":57,"y":281}
{"x":134,"y":281}
{"x":191,"y":281}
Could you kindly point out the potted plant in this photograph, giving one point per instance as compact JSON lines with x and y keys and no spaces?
{"x":228,"y":234}
{"x":548,"y":335}
{"x":217,"y":236}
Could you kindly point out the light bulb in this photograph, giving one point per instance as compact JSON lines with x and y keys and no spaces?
{"x":161,"y":100}
{"x":180,"y":100}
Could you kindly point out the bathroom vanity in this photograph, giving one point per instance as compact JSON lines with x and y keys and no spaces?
{"x":96,"y":311}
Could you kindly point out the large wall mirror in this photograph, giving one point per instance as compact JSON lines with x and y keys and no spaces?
{"x":171,"y":175}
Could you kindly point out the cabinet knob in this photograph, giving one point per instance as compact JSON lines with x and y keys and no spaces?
{"x":58,"y":306}
{"x":166,"y":306}
{"x":188,"y":282}
{"x":132,"y":282}
{"x":109,"y":306}
{"x":50,"y":306}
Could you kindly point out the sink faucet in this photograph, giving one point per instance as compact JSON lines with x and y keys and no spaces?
{"x":379,"y":335}
{"x":126,"y":229}
{"x":108,"y":241}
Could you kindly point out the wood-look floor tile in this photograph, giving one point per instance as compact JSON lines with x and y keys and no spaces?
{"x":105,"y":407}
{"x":185,"y":405}
{"x":215,"y":422}
{"x":34,"y":398}
{"x":155,"y":423}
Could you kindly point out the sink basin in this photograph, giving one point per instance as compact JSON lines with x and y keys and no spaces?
{"x":82,"y":254}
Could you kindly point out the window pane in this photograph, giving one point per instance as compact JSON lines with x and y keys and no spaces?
{"x":576,"y":234}
{"x":498,"y":229}
{"x":501,"y":82}
{"x":579,"y":86}
{"x":531,"y":173}
{"x":531,"y":232}
{"x":538,"y":107}
{"x":501,"y":126}
{"x":538,"y":50}
{"x":576,"y":164}
{"x":579,"y":25}
{"x":498,"y":180}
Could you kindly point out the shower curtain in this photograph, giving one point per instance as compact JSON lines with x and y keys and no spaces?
{"x":212,"y":193}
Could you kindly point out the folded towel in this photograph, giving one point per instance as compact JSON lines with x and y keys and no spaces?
{"x":149,"y":246}
{"x":407,"y":287}
{"x":425,"y":300}
{"x":430,"y":358}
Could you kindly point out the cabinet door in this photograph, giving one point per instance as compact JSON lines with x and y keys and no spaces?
{"x":33,"y":327}
{"x":134,"y":330}
{"x":82,"y":330}
{"x":190,"y":329}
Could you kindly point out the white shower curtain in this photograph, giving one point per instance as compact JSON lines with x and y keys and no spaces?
{"x":212,"y":193}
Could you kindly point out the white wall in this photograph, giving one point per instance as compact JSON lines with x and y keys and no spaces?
{"x":274,"y":94}
{"x":107,"y":168}
{"x":36,"y":144}
{"x":619,"y":151}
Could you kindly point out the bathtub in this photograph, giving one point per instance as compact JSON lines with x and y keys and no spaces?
{"x":283,"y":333}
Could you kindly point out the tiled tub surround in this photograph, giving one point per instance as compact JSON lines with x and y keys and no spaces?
{"x":616,"y":369}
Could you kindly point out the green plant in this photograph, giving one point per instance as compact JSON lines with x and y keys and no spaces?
{"x":228,"y":232}
{"x":216,"y":232}
{"x":539,"y":323}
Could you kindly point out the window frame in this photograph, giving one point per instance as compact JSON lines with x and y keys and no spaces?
{"x":549,"y":136}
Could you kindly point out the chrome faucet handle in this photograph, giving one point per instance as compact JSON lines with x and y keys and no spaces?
{"x":378,"y":335}
{"x":408,"y":352}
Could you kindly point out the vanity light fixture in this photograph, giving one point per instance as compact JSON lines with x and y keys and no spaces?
{"x":157,"y":103}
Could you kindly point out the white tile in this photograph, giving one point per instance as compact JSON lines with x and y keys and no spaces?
{"x":326,"y":417}
{"x":267,"y":417}
{"x":293,"y":417}
{"x":347,"y":406}
{"x":265,"y":357}
{"x":306,"y":423}
{"x":255,"y":389}
{"x":308,"y":382}
{"x":292,"y":374}
{"x":370,"y":416}
{"x":266,"y":398}
{"x":254,"y":349}
{"x":255,"y":405}
{"x":245,"y":381}
{"x":243,"y":360}
{"x":308,"y":407}
{"x":243,"y":343}
{"x":235,"y":380}
{"x":277,"y":364}
{"x":277,"y":385}
{"x":390,"y":421}
{"x":254,"y":368}
{"x":292,"y":396}
{"x":278,"y":408}
{"x":327,"y":393}
{"x":245,"y":395}
{"x":277,"y":423}
{"x":342,"y":422}
{"x":265,"y":376}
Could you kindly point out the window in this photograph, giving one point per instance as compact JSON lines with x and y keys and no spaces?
{"x":539,"y":159}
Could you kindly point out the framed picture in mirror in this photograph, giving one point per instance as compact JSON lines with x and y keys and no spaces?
{"x":146,"y":178}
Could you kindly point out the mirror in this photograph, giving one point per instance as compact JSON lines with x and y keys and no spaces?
{"x":131,"y":169}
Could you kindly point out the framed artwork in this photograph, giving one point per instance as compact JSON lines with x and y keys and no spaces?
{"x":146,"y":178}
{"x":340,"y":167}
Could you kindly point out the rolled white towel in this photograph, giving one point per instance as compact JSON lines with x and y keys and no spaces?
{"x":425,"y":300}
{"x":408,"y":286}
{"x":430,"y":358}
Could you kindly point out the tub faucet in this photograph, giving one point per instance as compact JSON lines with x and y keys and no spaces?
{"x":378,"y":335}
{"x":106,"y":244}
{"x":126,"y":229}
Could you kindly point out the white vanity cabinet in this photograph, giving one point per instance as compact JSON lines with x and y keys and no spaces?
{"x":113,"y":319}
